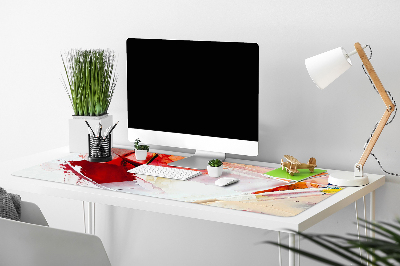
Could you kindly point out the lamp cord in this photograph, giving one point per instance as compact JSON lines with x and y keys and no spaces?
{"x":387,"y":123}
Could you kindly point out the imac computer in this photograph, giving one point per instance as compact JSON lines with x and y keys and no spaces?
{"x":200,"y":95}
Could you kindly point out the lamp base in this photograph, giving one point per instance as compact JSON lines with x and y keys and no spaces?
{"x":347,"y":179}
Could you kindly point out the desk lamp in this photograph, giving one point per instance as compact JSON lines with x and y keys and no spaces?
{"x":323,"y":70}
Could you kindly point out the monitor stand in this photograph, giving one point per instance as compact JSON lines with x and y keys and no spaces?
{"x":199,"y":160}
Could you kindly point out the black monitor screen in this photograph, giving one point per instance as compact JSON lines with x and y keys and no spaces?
{"x":193,"y":87}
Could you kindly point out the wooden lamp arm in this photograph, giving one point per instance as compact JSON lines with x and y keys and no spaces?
{"x":374,"y":138}
{"x":389,"y":108}
{"x":371,"y":71}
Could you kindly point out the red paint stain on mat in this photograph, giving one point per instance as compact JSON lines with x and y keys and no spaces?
{"x":298,"y":185}
{"x":105,"y":172}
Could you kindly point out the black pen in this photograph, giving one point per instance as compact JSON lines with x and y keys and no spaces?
{"x":89,"y":127}
{"x":112,"y":129}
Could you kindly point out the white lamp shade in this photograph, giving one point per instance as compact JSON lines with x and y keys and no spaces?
{"x":326,"y":67}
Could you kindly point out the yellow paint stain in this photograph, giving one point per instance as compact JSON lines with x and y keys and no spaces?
{"x":151,"y":179}
{"x":205,"y":201}
{"x":331,"y":190}
{"x":259,"y":197}
{"x":284,"y":207}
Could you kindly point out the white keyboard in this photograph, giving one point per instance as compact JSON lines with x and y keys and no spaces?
{"x":167,"y":172}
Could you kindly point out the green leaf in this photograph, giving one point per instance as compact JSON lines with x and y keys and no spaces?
{"x":91,"y":80}
{"x":382,"y":251}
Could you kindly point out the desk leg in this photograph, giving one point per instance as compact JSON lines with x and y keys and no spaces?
{"x":298,"y":247}
{"x":292,"y":244}
{"x":88,"y":214}
{"x":372,"y":210}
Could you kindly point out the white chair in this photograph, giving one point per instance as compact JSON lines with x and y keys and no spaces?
{"x":32,"y":214}
{"x":24,"y":243}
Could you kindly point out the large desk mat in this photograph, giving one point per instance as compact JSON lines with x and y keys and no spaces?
{"x":255,"y":192}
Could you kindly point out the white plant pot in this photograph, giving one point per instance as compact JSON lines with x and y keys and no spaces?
{"x":78,"y":131}
{"x":141,"y":155}
{"x":214,"y":171}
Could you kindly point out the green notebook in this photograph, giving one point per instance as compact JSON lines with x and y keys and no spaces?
{"x":304,"y":173}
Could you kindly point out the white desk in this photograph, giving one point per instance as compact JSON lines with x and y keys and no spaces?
{"x":297,"y":223}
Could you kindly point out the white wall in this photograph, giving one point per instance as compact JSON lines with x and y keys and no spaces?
{"x":295,"y":117}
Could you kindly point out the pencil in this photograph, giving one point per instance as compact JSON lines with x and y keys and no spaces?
{"x":155,"y":155}
{"x":112,"y":128}
{"x":106,"y":132}
{"x":90,"y":132}
{"x":89,"y":127}
{"x":100,"y":128}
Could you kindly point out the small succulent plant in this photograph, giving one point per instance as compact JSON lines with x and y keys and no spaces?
{"x":215,"y":163}
{"x":140,"y":147}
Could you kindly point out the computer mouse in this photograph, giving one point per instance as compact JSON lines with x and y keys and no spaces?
{"x":224,"y":181}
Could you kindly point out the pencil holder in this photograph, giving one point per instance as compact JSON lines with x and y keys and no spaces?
{"x":99,"y":149}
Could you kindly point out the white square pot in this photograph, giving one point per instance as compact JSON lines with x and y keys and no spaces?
{"x":78,"y":131}
{"x":214,"y":171}
{"x":140,"y":154}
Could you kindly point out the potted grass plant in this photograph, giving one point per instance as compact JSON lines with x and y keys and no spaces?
{"x":90,"y":83}
{"x":214,"y":168}
{"x":140,"y":150}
